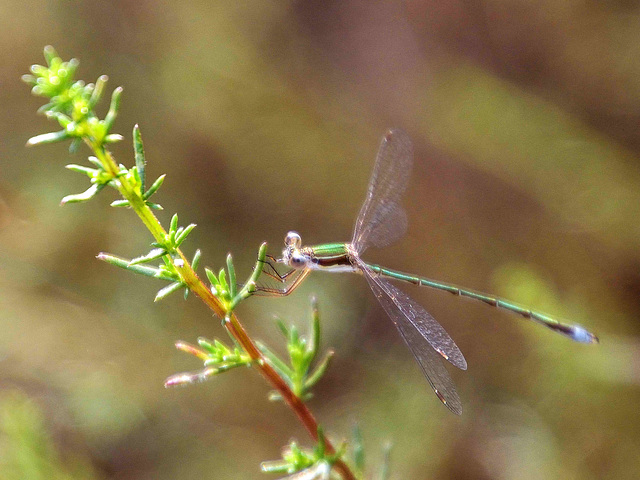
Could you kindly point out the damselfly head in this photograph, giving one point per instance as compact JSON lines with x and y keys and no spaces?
{"x":291,"y":255}
{"x":293,"y":240}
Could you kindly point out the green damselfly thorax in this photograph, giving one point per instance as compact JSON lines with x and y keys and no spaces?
{"x":381,"y":222}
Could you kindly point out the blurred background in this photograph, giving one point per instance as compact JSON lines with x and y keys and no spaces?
{"x":266,"y":116}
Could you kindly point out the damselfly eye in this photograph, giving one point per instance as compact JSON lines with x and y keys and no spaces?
{"x":293,"y":240}
{"x":297,"y":260}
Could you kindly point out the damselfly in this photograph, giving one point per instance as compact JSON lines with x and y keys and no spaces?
{"x":381,"y":222}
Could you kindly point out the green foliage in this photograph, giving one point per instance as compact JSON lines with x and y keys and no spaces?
{"x":138,"y":174}
{"x":357,"y":452}
{"x":26,"y":449}
{"x":302,"y":353}
{"x":164,"y":271}
{"x":98,"y":177}
{"x":217,"y":358}
{"x":303,"y":463}
{"x":227,"y":290}
{"x":315,"y":464}
{"x":71,"y":103}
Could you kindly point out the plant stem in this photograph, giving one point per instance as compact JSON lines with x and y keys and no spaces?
{"x":232,"y":324}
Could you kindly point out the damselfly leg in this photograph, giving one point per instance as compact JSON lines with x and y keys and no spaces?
{"x":285,"y":283}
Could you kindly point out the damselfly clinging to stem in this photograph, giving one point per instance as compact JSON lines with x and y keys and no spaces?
{"x":381,"y":222}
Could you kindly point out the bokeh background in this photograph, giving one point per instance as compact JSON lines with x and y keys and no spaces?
{"x":266,"y":116}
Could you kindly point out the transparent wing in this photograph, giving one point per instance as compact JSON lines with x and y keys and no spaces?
{"x":424,"y":336}
{"x":382,"y":220}
{"x":408,"y":311}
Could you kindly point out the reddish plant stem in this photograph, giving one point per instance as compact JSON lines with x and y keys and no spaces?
{"x":238,"y":332}
{"x":232,"y":323}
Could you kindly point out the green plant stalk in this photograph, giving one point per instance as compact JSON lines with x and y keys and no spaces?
{"x":232,"y":324}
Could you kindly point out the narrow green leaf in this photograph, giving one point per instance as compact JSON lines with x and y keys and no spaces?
{"x":145,"y":270}
{"x":227,"y":366}
{"x":154,"y":188}
{"x":152,"y":255}
{"x":222,"y":277}
{"x":141,"y":163}
{"x":232,"y":276}
{"x":192,"y":350}
{"x":275,"y":466}
{"x":50,"y":54}
{"x":72,"y":66}
{"x":74,"y":145}
{"x":39,"y":70}
{"x":120,"y":203}
{"x":44,"y":108}
{"x":84,"y":196}
{"x":284,"y":371}
{"x":283,"y":327}
{"x":320,"y":370}
{"x":314,"y":341}
{"x":124,"y":263}
{"x":212,"y":277}
{"x":117,"y":261}
{"x":97,"y":91}
{"x":262,"y":252}
{"x":84,"y":93}
{"x":321,"y":447}
{"x":183,"y":234}
{"x":45,"y":138}
{"x":94,"y":161}
{"x":168,"y":290}
{"x":207,"y":345}
{"x":304,"y":357}
{"x":187,"y":378}
{"x":250,"y":286}
{"x":90,"y":172}
{"x":28,"y":79}
{"x":113,"y":138}
{"x":196,"y":260}
{"x":155,"y":206}
{"x":65,"y":121}
{"x":113,"y":109}
{"x":294,"y":336}
{"x":174,"y":223}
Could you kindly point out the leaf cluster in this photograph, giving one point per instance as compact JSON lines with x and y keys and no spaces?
{"x":316,"y":464}
{"x":302,"y":352}
{"x":71,"y":103}
{"x":217,"y":358}
{"x":224,"y":284}
{"x":302,"y":463}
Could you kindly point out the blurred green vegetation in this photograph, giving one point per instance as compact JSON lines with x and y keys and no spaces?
{"x":28,"y":451}
{"x":266,"y":116}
